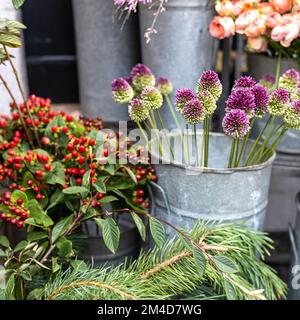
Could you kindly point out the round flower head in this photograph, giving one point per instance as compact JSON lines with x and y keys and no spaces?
{"x":242,"y":99}
{"x":236,"y":124}
{"x":208,"y":102}
{"x":164,"y":85}
{"x":193,"y":112}
{"x":122,"y":92}
{"x":209,"y":81}
{"x":138,"y":112}
{"x":295,"y":95}
{"x":268,"y":81}
{"x":292,"y":116}
{"x":278,"y":102}
{"x":261,"y":99}
{"x":141,"y":77}
{"x":289,"y":80}
{"x":246,"y":82}
{"x":152,"y":98}
{"x":182,"y":97}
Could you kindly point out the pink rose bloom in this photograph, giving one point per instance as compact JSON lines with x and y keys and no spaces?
{"x":258,"y":44}
{"x":285,"y":32}
{"x":245,"y":19}
{"x":273,"y":20}
{"x":282,"y":6}
{"x":224,"y":8}
{"x":237,"y":8}
{"x":257,"y":27}
{"x":265,"y":8}
{"x":222,"y":27}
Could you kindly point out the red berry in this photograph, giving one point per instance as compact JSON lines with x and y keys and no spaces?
{"x":15,"y":116}
{"x":28,"y":121}
{"x":82,"y":172}
{"x":138,"y":177}
{"x":140,"y":193}
{"x":20,"y":201}
{"x":18,"y":159}
{"x":70,"y":147}
{"x":83,"y":140}
{"x":36,"y":122}
{"x":81,"y":149}
{"x":69,"y":118}
{"x":54,"y":129}
{"x":39,"y":196}
{"x":13,"y":221}
{"x":20,"y":224}
{"x":77,"y":141}
{"x":45,"y":159}
{"x":139,"y":200}
{"x":100,"y":195}
{"x":24,"y":215}
{"x":79,"y":181}
{"x":75,"y":171}
{"x":39,"y":157}
{"x":45,"y":140}
{"x":47,"y":167}
{"x":36,"y":189}
{"x":29,"y":183}
{"x":105,"y":153}
{"x":46,"y":120}
{"x":64,"y":129}
{"x":18,"y":166}
{"x":74,"y":154}
{"x":39,"y":173}
{"x":6,"y":202}
{"x":7,"y":195}
{"x":40,"y":113}
{"x":91,"y":142}
{"x":3,"y":216}
{"x":81,"y":160}
{"x":27,"y":158}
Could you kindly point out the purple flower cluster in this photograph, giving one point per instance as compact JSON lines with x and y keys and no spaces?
{"x":182,"y":97}
{"x":292,"y":116}
{"x":245,"y":82}
{"x":141,"y":77}
{"x":261,"y":100}
{"x":164,"y":85}
{"x":122,"y":91}
{"x":236,"y":124}
{"x":279,"y":100}
{"x":137,"y":110}
{"x":193,"y":112}
{"x":290,"y":80}
{"x":209,"y":81}
{"x":242,"y":99}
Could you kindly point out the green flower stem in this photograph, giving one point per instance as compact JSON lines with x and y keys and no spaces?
{"x":268,"y":152}
{"x":278,"y":68}
{"x":163,"y":127}
{"x":144,"y":133}
{"x":206,"y":140}
{"x":196,"y":145}
{"x":231,"y":153}
{"x":157,"y":135}
{"x":236,"y":152}
{"x":187,"y":143}
{"x":245,"y":143}
{"x":153,"y":119}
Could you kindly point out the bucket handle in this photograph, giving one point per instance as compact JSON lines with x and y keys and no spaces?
{"x":292,"y":231}
{"x":153,"y":185}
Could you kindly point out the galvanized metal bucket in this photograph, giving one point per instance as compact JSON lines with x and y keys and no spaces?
{"x":183,"y":47}
{"x":294,"y":292}
{"x":259,"y":65}
{"x":104,"y":52}
{"x":185,"y":194}
{"x":94,"y":250}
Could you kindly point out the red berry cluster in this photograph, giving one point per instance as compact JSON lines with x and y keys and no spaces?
{"x":14,"y":142}
{"x":16,"y":212}
{"x":91,"y":123}
{"x":96,"y":201}
{"x":138,"y":197}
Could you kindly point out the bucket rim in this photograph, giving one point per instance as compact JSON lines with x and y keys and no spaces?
{"x":177,"y":164}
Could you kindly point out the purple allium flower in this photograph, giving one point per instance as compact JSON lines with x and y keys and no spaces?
{"x":245,"y":82}
{"x":292,"y":116}
{"x":268,"y":81}
{"x":236,"y":123}
{"x":208,"y":102}
{"x":141,"y":77}
{"x":164,"y":85}
{"x":289,"y":80}
{"x":261,"y":100}
{"x":138,"y":112}
{"x":278,"y":102}
{"x":122,"y":92}
{"x":209,"y":81}
{"x":182,"y":97}
{"x":152,"y":98}
{"x":193,"y":112}
{"x":242,"y":99}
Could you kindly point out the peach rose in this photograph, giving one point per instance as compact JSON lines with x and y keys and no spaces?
{"x":273,"y":20}
{"x":257,"y":27}
{"x":222,"y":27}
{"x":224,"y":8}
{"x":282,"y":6}
{"x":245,"y":19}
{"x":265,"y":8}
{"x":258,"y":44}
{"x":285,"y":32}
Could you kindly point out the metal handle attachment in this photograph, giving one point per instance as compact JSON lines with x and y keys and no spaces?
{"x":164,"y":195}
{"x":292,"y":234}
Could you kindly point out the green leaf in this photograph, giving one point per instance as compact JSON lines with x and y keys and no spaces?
{"x":225,"y":264}
{"x":78,"y":265}
{"x":110,"y":169}
{"x":140,"y":225}
{"x":57,"y":174}
{"x":17,"y":194}
{"x":108,"y":199}
{"x":90,"y":213}
{"x":110,"y":233}
{"x":35,"y":294}
{"x":64,"y":247}
{"x":99,"y":186}
{"x":199,"y":260}
{"x":119,"y":183}
{"x":86,"y":179}
{"x":158,"y":232}
{"x":18,"y":3}
{"x":36,"y":235}
{"x":21,"y":245}
{"x":4,"y":242}
{"x":61,"y":227}
{"x":10,"y":40}
{"x":38,"y":214}
{"x":56,"y":198}
{"x":75,"y":190}
{"x":26,"y":275}
{"x":10,"y":288}
{"x":127,"y":199}
{"x":229,"y":290}
{"x":55,"y":265}
{"x":131,"y":174}
{"x":3,"y":253}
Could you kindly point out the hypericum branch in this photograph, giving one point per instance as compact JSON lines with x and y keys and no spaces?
{"x":23,"y":95}
{"x":19,"y":110}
